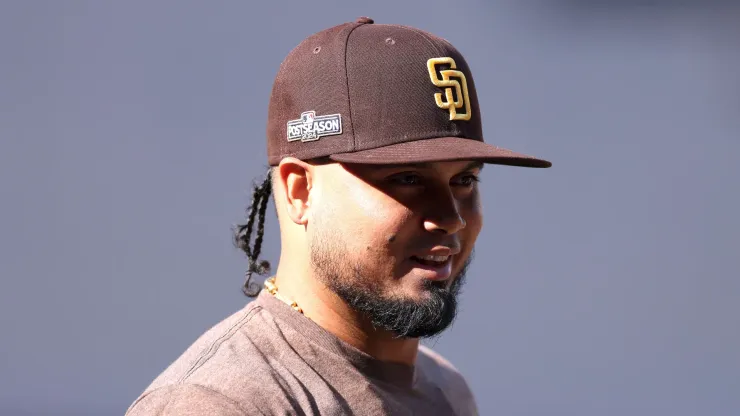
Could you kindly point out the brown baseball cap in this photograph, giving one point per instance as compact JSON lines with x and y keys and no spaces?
{"x":369,"y":93}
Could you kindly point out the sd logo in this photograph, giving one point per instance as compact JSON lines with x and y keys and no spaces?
{"x":448,"y":84}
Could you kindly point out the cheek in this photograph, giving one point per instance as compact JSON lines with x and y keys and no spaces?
{"x":474,"y":220}
{"x":371,"y":221}
{"x":472,"y":213}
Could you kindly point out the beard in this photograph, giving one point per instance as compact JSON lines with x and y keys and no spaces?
{"x":406,"y":318}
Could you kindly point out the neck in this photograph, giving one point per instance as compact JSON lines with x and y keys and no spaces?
{"x":326,"y":309}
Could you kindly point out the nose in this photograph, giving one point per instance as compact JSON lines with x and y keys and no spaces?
{"x":444,"y":215}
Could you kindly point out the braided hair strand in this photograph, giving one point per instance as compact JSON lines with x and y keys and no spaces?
{"x":243,"y":235}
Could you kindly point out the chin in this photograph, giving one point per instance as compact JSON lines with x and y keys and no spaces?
{"x":415,"y":288}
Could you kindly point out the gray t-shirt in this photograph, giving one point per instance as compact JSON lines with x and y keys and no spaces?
{"x":268,"y":359}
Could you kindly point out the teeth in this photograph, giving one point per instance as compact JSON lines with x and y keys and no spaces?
{"x":439,"y":259}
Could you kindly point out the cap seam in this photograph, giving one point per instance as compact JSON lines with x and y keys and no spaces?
{"x":423,"y":35}
{"x":349,"y":99}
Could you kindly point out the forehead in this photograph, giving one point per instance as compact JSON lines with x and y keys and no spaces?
{"x":371,"y":173}
{"x":462,"y":165}
{"x":339,"y":172}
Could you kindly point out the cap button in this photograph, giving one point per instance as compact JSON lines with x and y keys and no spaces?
{"x":364,"y":19}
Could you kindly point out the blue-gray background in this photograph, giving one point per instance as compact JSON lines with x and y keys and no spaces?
{"x":608,"y":285}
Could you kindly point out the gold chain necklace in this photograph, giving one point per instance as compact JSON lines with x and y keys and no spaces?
{"x":271,"y":287}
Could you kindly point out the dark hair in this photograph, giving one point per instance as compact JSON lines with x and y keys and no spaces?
{"x":243,"y":234}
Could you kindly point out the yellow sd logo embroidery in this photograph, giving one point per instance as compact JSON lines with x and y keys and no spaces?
{"x":461,"y":88}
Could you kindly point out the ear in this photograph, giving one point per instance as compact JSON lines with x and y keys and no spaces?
{"x":295,"y":179}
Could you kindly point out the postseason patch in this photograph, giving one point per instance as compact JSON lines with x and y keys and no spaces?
{"x":311,"y":127}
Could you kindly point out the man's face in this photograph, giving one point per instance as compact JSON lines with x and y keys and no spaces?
{"x":394,"y":241}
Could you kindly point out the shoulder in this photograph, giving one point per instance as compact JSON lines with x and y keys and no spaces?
{"x":448,"y":378}
{"x":187,"y":400}
{"x":215,"y":375}
{"x":213,"y":347}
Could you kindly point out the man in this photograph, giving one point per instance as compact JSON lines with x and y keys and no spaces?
{"x":375,"y":145}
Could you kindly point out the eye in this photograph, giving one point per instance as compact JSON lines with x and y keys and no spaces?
{"x":406,"y":179}
{"x":467,"y":180}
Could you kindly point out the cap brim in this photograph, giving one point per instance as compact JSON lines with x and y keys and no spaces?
{"x":442,"y":149}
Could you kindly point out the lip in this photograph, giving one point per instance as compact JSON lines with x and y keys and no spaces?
{"x":439,"y":251}
{"x":440,"y":272}
{"x":437,"y":273}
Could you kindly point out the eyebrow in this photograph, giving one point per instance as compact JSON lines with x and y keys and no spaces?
{"x":427,"y":165}
{"x":475,"y":165}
